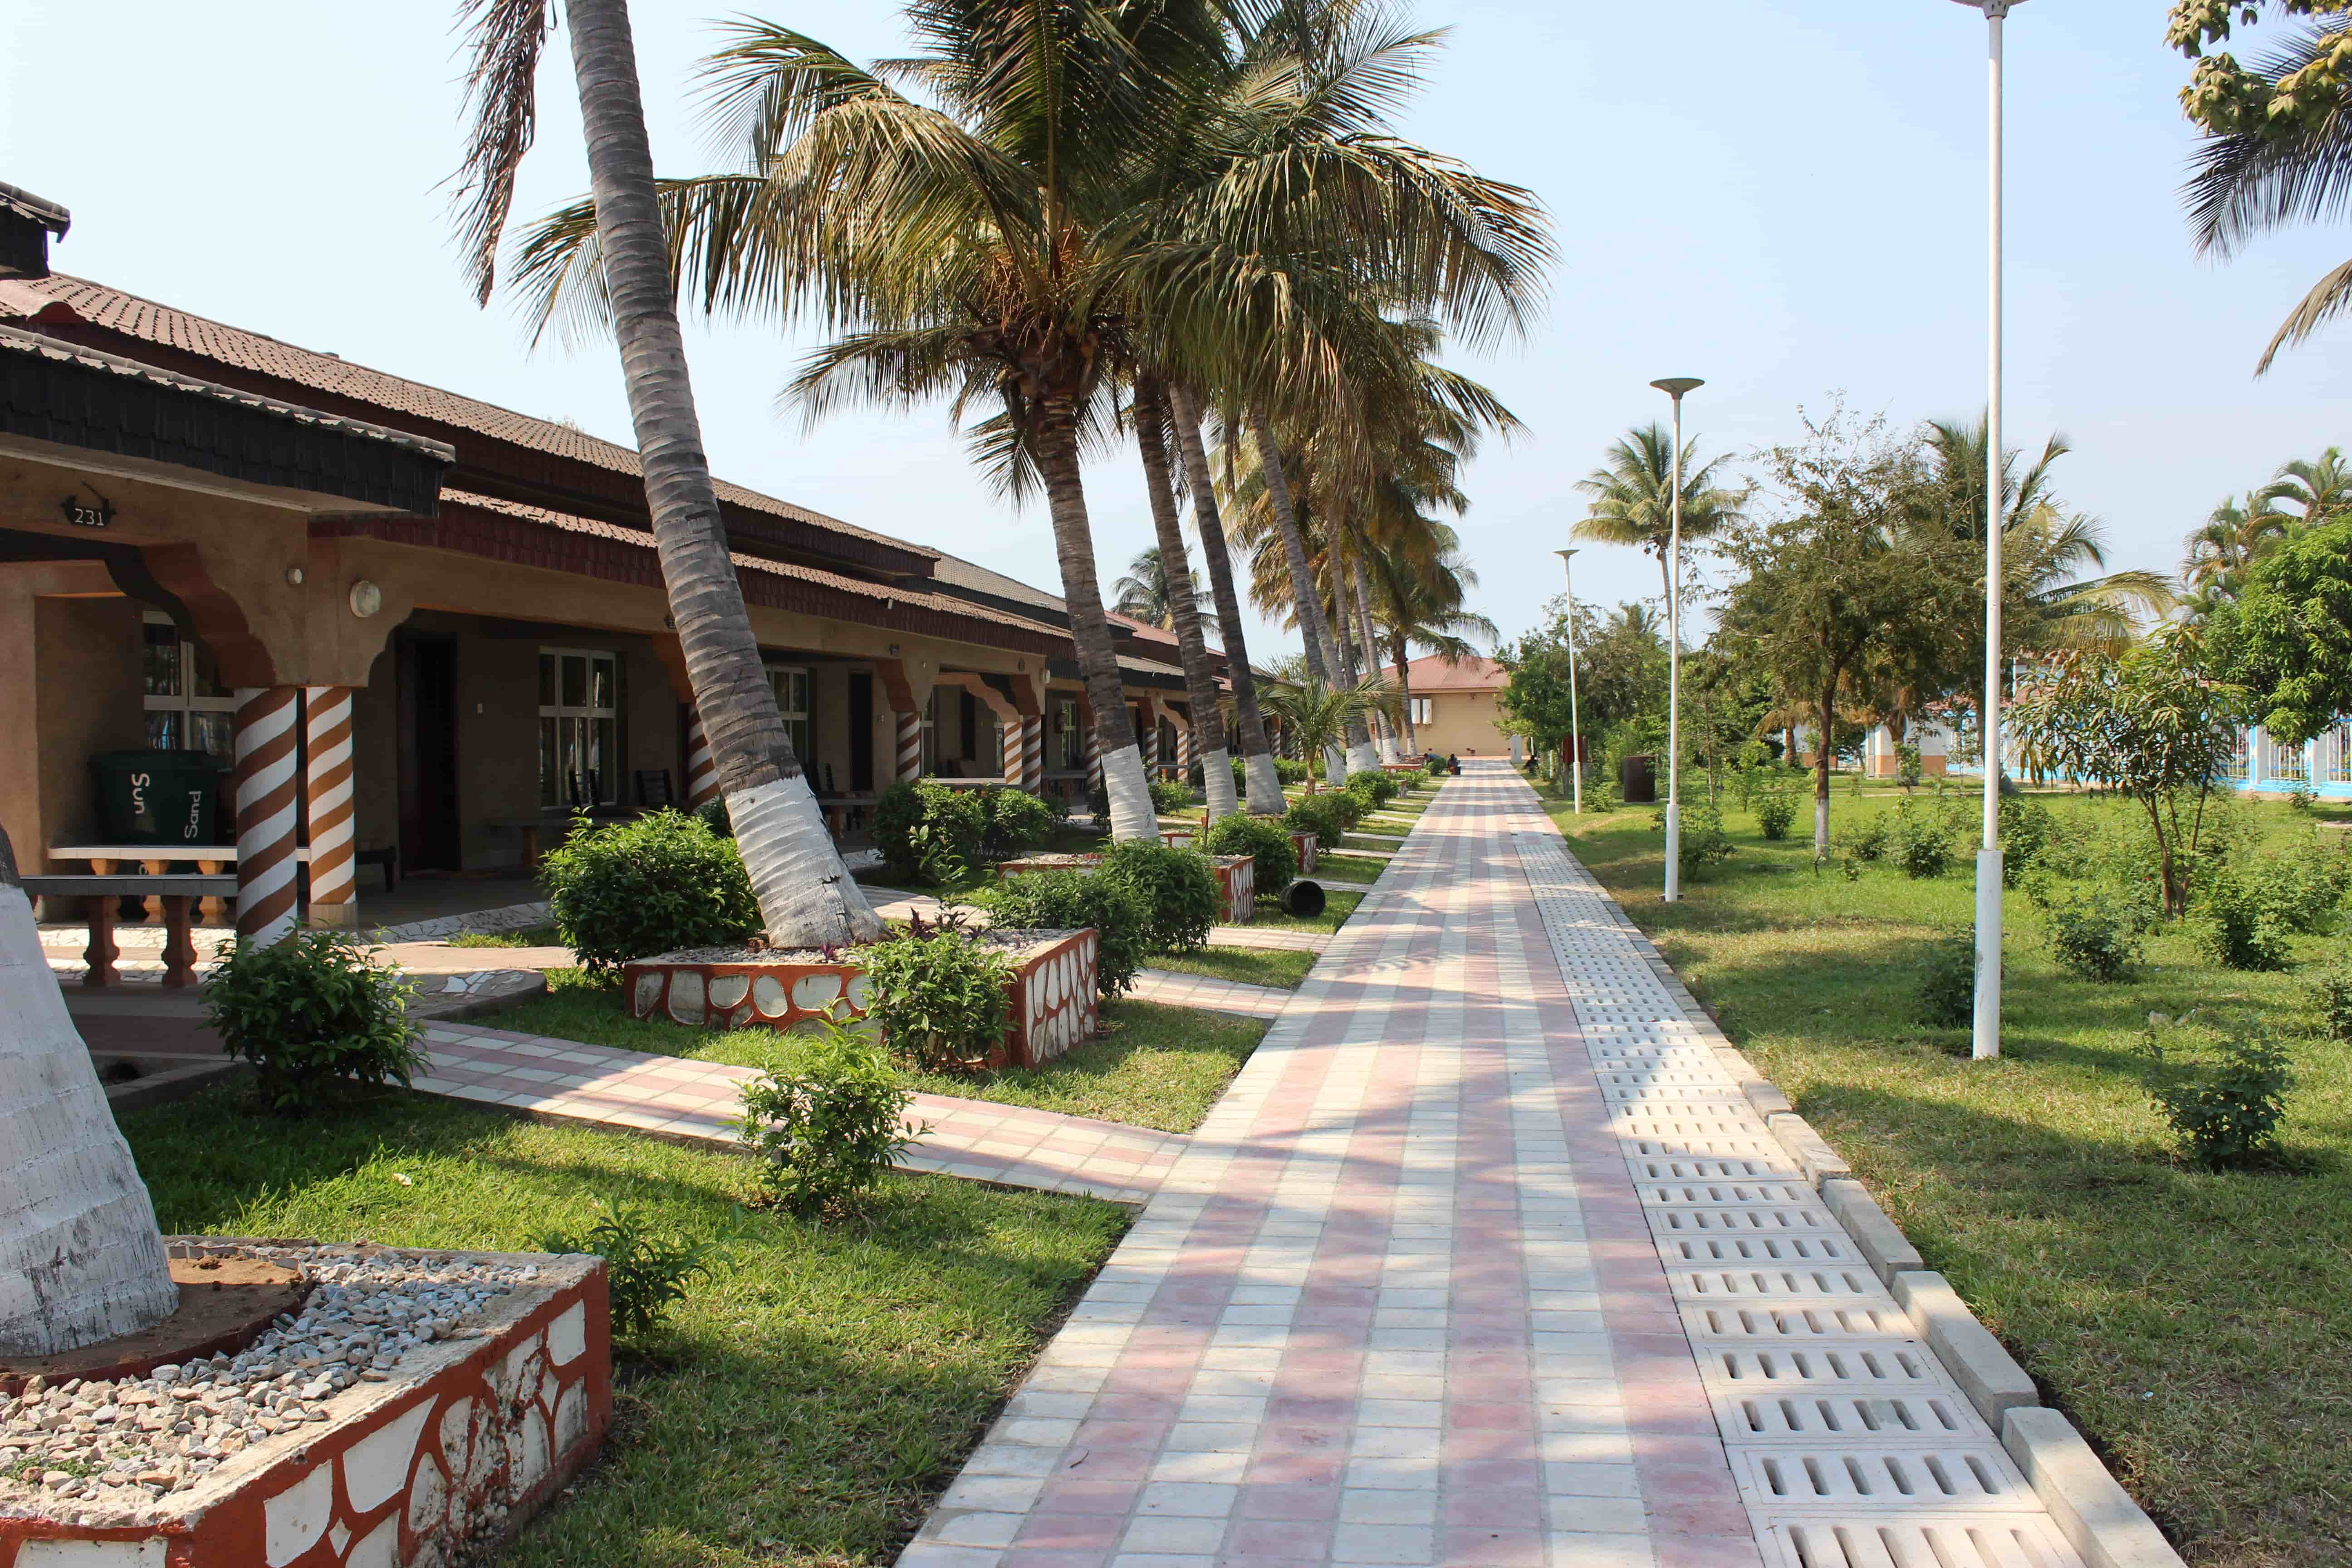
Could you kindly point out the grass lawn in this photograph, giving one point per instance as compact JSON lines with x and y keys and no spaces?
{"x":1337,"y":905}
{"x":1150,"y":1067}
{"x":530,"y":936}
{"x":1249,"y":965}
{"x":2199,"y":1328}
{"x":1338,"y":866}
{"x":801,"y":1408}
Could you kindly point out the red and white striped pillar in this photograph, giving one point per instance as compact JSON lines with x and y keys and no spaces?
{"x":910,"y":746}
{"x":1008,"y":733}
{"x":1093,"y":753}
{"x":701,"y":767}
{"x":326,"y":796}
{"x":1185,"y":752}
{"x":1033,"y":752}
{"x":267,"y":734}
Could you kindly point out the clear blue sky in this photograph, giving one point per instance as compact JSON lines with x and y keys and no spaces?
{"x":1785,"y":199}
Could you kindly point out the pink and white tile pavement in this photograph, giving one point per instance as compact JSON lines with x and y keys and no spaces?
{"x":673,"y":1097}
{"x":1401,"y":1302}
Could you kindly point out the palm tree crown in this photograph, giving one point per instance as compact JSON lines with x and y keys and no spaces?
{"x":1633,"y":493}
{"x":1148,"y":592}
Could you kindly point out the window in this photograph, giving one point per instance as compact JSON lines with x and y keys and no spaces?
{"x":1074,"y":739}
{"x":791,"y":687}
{"x":1422,"y":709}
{"x":2335,"y":755}
{"x":579,"y":729}
{"x":188,"y":710}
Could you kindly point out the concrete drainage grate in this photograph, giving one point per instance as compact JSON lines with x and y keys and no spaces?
{"x":1853,"y":1446}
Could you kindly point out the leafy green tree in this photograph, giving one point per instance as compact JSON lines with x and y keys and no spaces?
{"x":1620,"y":673}
{"x":2288,"y":639}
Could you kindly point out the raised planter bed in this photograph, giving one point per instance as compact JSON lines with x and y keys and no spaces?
{"x":434,"y":1449}
{"x":1236,"y":876}
{"x":1054,"y":1003}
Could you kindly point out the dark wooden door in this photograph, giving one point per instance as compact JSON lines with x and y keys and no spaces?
{"x":861,"y":732}
{"x":427,"y":671}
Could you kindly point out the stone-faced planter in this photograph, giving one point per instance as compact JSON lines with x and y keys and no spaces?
{"x":1303,"y":846}
{"x":1236,"y":876}
{"x":468,"y":1436}
{"x":1052,"y":992}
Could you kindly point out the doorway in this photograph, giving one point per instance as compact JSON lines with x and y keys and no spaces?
{"x":427,"y":672}
{"x":861,"y":733}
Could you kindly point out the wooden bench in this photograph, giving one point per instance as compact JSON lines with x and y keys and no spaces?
{"x":176,"y":893}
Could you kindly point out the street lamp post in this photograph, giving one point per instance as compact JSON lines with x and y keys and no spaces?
{"x":1986,"y":1042}
{"x":1675,"y":386}
{"x":1575,"y":730}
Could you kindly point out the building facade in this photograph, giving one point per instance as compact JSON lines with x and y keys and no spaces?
{"x":1455,"y":709}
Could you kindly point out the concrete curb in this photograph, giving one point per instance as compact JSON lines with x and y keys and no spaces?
{"x":2095,"y":1513}
{"x":1883,"y":1246}
{"x":1808,"y":1148}
{"x":1987,"y":1373}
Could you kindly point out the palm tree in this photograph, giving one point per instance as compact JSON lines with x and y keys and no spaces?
{"x":1633,"y":492}
{"x":80,"y":1260}
{"x":1317,"y":716}
{"x":2236,"y":533}
{"x":1424,"y":609}
{"x":1265,"y":783}
{"x":807,"y":898}
{"x":1016,"y":238}
{"x":2321,"y":491}
{"x":1149,"y":593}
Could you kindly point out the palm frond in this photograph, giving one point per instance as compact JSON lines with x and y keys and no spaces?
{"x":503,"y":38}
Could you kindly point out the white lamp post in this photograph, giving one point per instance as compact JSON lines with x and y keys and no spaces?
{"x":1575,"y":730}
{"x":1986,"y":1043}
{"x":1675,"y":386}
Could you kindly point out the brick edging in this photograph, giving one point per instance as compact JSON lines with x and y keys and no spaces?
{"x":2098,"y":1518}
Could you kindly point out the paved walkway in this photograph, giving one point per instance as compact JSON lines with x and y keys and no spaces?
{"x":1482,"y":1261}
{"x":674,"y":1096}
{"x":1173,"y":988}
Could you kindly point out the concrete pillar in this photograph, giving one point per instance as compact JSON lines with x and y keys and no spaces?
{"x":701,"y":767}
{"x":1033,"y":752}
{"x":910,"y":765}
{"x":327,"y":793}
{"x":266,"y":717}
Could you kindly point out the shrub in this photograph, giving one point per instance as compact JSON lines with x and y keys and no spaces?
{"x":1907,"y":764}
{"x":940,"y":997}
{"x":1948,"y":980}
{"x":1321,"y":815}
{"x":309,"y":1012}
{"x":1176,"y":884}
{"x":2225,"y":1113}
{"x":826,"y":1133}
{"x":1703,"y":841}
{"x":1065,"y":900}
{"x":2096,"y":935}
{"x":2026,"y":834}
{"x":1868,"y":840}
{"x":645,"y":1273}
{"x":712,"y":813}
{"x":928,"y":832}
{"x":2300,"y":797}
{"x":2329,"y":995}
{"x":1012,"y":820}
{"x":1775,"y":812}
{"x":1921,"y":845}
{"x":1098,"y":802}
{"x":2246,"y":928}
{"x":662,"y":882}
{"x":1168,"y":796}
{"x":1435,"y":765}
{"x":1263,"y":838}
{"x":1375,"y":787}
{"x":1291,"y":769}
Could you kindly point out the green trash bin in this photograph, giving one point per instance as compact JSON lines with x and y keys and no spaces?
{"x":158,"y":797}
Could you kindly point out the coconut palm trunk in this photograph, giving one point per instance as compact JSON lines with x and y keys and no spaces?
{"x":1264,"y":797}
{"x":1151,"y":422}
{"x":807,"y":898}
{"x":79,"y":1257}
{"x":1314,"y":634}
{"x":1054,"y":443}
{"x":1397,"y":650}
{"x":1382,"y":724}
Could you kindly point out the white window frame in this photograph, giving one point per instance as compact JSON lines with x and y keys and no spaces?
{"x":796,"y":718}
{"x":1072,"y":735}
{"x":1423,"y":710}
{"x":582,"y":719}
{"x":183,"y":702}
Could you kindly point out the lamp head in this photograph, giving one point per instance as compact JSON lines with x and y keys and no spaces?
{"x":1994,"y":10}
{"x":1563,"y":554}
{"x":1675,"y":386}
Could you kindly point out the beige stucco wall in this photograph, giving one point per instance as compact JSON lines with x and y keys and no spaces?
{"x":1463,"y":723}
{"x":69,"y":668}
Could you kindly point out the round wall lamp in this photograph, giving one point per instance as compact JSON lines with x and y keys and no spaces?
{"x":366,"y":598}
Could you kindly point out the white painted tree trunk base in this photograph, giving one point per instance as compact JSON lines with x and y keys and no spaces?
{"x":807,"y":897}
{"x":1335,"y":766}
{"x":1821,"y":827}
{"x":1217,"y":778}
{"x":1389,"y":750}
{"x":1264,"y":786}
{"x":80,"y":1260}
{"x":1132,"y":815}
{"x":1364,"y":759}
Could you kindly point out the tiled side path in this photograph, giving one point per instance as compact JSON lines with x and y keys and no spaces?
{"x":1421,"y":1291}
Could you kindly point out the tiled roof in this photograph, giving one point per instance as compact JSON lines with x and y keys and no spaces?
{"x":149,"y":322}
{"x":1432,"y":674}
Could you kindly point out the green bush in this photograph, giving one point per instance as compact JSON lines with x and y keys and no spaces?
{"x":2329,"y":996}
{"x":1375,"y":787}
{"x":2224,"y":1109}
{"x":645,"y":1272}
{"x":1776,"y":810}
{"x":2027,"y":832}
{"x":1703,"y":842}
{"x":1169,"y":797}
{"x":661,"y":882}
{"x":309,"y":1012}
{"x":1012,"y":820}
{"x":1948,"y":980}
{"x":1321,"y":815}
{"x":2247,"y":920}
{"x":712,"y":813}
{"x":1869,"y":839}
{"x":1920,"y":844}
{"x":1290,"y":771}
{"x":1066,"y":900}
{"x":1908,"y":765}
{"x":1176,"y":884}
{"x":2095,"y":933}
{"x":928,"y":833}
{"x":1264,"y":839}
{"x":940,"y":997}
{"x":1435,"y":766}
{"x":826,"y":1133}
